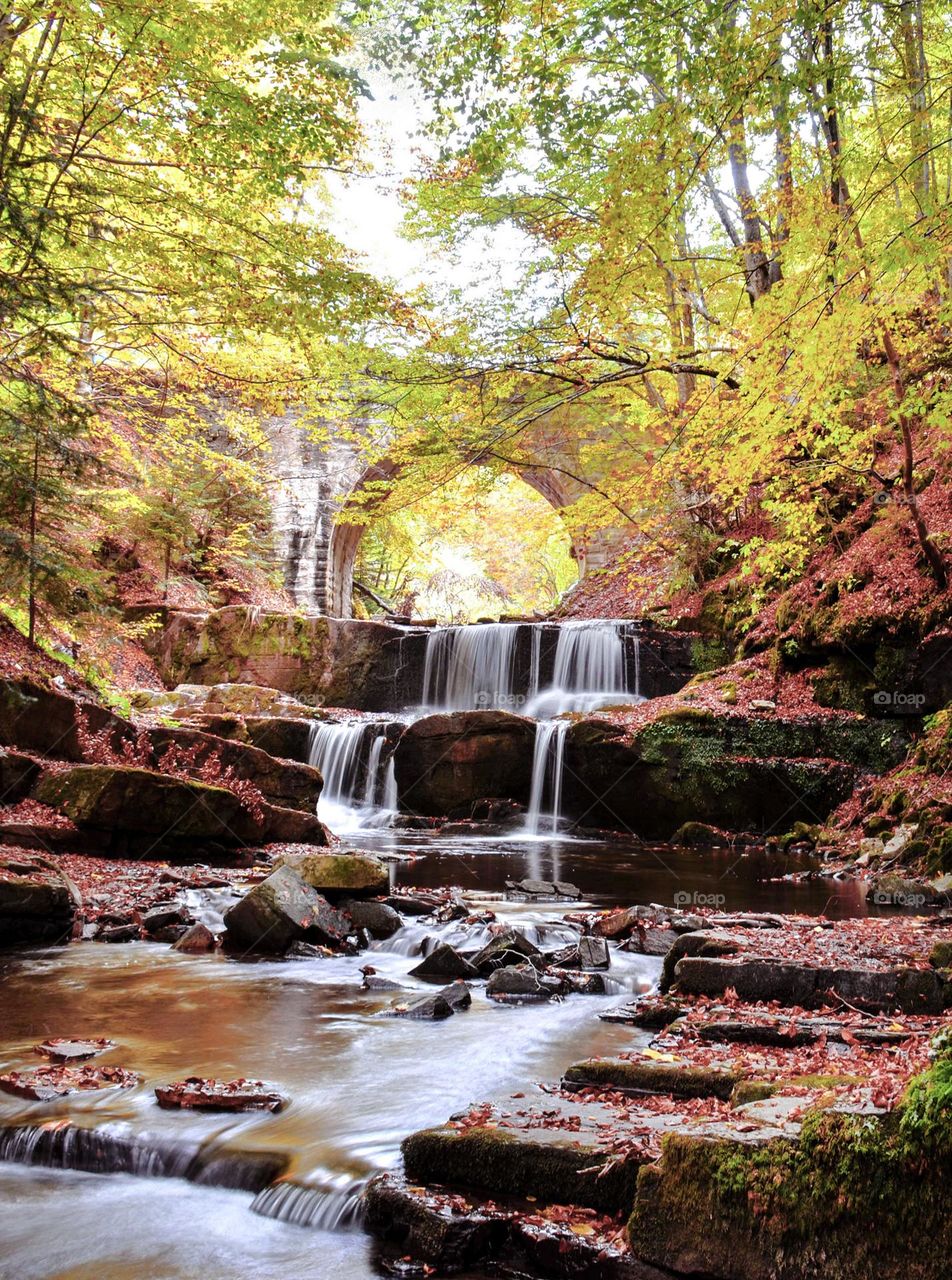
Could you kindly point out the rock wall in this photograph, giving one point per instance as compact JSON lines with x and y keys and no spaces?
{"x":367,"y":666}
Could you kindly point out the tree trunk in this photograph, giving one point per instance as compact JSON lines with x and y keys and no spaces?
{"x":34,"y":503}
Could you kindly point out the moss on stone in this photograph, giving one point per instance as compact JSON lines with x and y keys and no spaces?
{"x":654,"y":1077}
{"x":503,"y":1163}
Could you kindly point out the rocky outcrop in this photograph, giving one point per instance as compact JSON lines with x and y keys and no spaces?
{"x":137,"y":809}
{"x":38,"y":903}
{"x":444,"y":762}
{"x":49,"y":721}
{"x":752,"y":772}
{"x":330,"y":661}
{"x":285,"y":783}
{"x":17,"y":776}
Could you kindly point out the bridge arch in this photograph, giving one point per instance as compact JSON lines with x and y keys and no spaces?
{"x":346,"y":536}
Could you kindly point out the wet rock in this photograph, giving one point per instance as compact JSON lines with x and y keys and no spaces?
{"x":593,"y":953}
{"x":582,"y":984}
{"x":429,"y":1228}
{"x":377,"y":918}
{"x":196,"y":939}
{"x":159,"y":918}
{"x":507,"y":948}
{"x":38,"y":903}
{"x":618,"y":924}
{"x":437,"y":1006}
{"x":412,"y":905}
{"x":281,"y":910}
{"x":445,"y":762}
{"x":334,"y":873}
{"x":306,"y":951}
{"x":66,"y":1050}
{"x":374,"y":982}
{"x":119,"y":933}
{"x":523,"y":982}
{"x":544,"y":888}
{"x":41,"y":1084}
{"x":195,"y":1093}
{"x":443,"y":963}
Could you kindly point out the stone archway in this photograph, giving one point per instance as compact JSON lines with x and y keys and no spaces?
{"x":316,"y":480}
{"x":345,"y":537}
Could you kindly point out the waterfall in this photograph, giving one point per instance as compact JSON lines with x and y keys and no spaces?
{"x":318,"y":1207}
{"x":590,"y":670}
{"x":547,"y":768}
{"x":471,"y":666}
{"x":359,"y":786}
{"x":475,"y":666}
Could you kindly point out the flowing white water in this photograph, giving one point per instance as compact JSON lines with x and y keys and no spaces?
{"x":547,"y":769}
{"x":345,"y":754}
{"x":590,"y":671}
{"x":471,"y":666}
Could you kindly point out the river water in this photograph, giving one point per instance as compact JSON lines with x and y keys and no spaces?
{"x":359,"y":1082}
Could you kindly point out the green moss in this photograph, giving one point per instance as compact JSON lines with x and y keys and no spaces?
{"x":502,"y":1163}
{"x":856,"y":1196}
{"x":654,"y":1077}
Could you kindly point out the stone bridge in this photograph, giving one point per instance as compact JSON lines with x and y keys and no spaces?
{"x":315,"y":480}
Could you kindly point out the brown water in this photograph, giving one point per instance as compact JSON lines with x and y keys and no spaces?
{"x":358,"y":1082}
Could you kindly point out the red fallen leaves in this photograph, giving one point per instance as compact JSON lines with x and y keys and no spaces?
{"x":30,"y":813}
{"x":61,"y":1049}
{"x":198,"y":1094}
{"x":41,"y":1084}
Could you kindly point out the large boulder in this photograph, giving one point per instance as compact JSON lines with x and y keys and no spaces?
{"x":352,"y":874}
{"x":129,"y":806}
{"x":444,"y":762}
{"x":120,"y":798}
{"x":38,"y":903}
{"x":739,"y":772}
{"x":444,"y":963}
{"x":334,"y":661}
{"x":282,"y":910}
{"x":285,"y":783}
{"x":379,"y":920}
{"x":50,"y":721}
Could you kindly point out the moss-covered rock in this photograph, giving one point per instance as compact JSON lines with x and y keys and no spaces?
{"x":350,"y":874}
{"x":505,"y":1163}
{"x":654,"y":1077}
{"x":854,"y":1197}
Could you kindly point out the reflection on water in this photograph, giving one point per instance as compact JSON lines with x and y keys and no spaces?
{"x":358,"y":1082}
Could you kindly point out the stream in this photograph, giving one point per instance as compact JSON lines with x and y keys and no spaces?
{"x":358,"y":1081}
